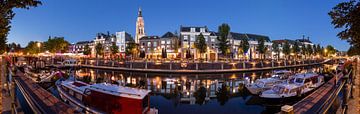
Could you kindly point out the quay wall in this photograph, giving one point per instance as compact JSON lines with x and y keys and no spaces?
{"x":190,"y":67}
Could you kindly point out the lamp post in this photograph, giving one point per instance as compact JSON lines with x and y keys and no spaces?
{"x":38,"y":44}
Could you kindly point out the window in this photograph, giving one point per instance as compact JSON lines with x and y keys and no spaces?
{"x":202,"y":30}
{"x":168,"y":42}
{"x":192,"y":30}
{"x":155,"y":44}
{"x":192,"y":38}
{"x":212,"y":39}
{"x":186,"y":38}
{"x":163,"y":42}
{"x":149,"y":44}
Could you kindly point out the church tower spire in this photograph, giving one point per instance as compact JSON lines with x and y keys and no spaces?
{"x":140,"y":29}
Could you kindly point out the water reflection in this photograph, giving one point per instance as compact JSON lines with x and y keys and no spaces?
{"x":182,"y":92}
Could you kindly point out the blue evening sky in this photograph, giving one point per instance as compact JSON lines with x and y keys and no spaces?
{"x":79,"y":20}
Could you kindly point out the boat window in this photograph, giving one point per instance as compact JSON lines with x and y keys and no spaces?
{"x":307,"y":80}
{"x":260,"y":83}
{"x":299,"y":80}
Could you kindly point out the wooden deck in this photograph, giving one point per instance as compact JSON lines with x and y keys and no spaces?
{"x":43,"y":100}
{"x":314,"y":102}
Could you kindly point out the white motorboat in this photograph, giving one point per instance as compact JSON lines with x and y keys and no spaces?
{"x":299,"y":85}
{"x":261,"y":85}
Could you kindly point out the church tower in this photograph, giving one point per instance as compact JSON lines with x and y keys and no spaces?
{"x":140,"y":29}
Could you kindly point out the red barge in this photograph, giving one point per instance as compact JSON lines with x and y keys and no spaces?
{"x":105,"y":98}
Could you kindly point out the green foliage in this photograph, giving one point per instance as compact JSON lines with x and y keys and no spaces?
{"x":200,"y":44}
{"x":295,"y":48}
{"x":114,"y":48}
{"x":318,"y":49}
{"x":131,"y":48}
{"x":276,"y":49}
{"x":142,"y":54}
{"x":353,"y":50}
{"x":346,"y":16}
{"x":330,"y":50}
{"x":13,"y":47}
{"x":223,"y":31}
{"x":309,"y":50}
{"x":56,"y":44}
{"x":261,"y":48}
{"x":286,"y":49}
{"x":244,"y":46}
{"x":33,"y":48}
{"x":163,"y":53}
{"x":99,"y":49}
{"x":87,"y":50}
{"x":7,"y":14}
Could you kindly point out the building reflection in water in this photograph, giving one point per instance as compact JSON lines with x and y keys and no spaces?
{"x":184,"y":88}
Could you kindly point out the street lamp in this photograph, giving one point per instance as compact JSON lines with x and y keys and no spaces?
{"x":38,"y":44}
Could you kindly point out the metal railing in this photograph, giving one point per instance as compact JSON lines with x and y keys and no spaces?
{"x":325,"y":107}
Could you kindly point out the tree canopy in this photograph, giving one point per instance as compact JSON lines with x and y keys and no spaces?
{"x":7,"y":14}
{"x":99,"y":49}
{"x":34,"y":47}
{"x":200,"y":44}
{"x":87,"y":50}
{"x":346,"y":16}
{"x":223,"y":30}
{"x":286,"y":48}
{"x":56,"y":44}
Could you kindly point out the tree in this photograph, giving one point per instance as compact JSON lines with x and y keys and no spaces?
{"x":56,"y":44}
{"x":286,"y":49}
{"x":346,"y":16}
{"x":114,"y":49}
{"x":200,"y":44}
{"x":99,"y":49}
{"x":276,"y":49}
{"x":353,"y":51}
{"x":142,"y":54}
{"x":87,"y":50}
{"x":261,"y":48}
{"x":163,"y":53}
{"x":309,"y":50}
{"x":33,"y":48}
{"x":244,"y":47}
{"x":223,"y":31}
{"x":296,"y":49}
{"x":7,"y":14}
{"x":13,"y":47}
{"x":131,"y":49}
{"x":329,"y":50}
{"x":318,"y":49}
{"x":304,"y":50}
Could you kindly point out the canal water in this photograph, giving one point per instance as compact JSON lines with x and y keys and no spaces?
{"x":193,"y":93}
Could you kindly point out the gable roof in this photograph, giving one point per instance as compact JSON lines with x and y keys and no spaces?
{"x":168,"y":35}
{"x":256,"y":37}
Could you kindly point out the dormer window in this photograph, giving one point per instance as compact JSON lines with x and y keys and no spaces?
{"x":192,"y":30}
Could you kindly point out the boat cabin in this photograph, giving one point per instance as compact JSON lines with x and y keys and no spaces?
{"x":108,"y":98}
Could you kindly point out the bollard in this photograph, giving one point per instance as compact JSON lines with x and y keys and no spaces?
{"x":197,"y":66}
{"x":222,"y":66}
{"x":244,"y":65}
{"x":170,"y":65}
{"x":287,"y":109}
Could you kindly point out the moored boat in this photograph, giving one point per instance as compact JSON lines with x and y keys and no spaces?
{"x":105,"y":98}
{"x":261,"y":85}
{"x":299,"y":85}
